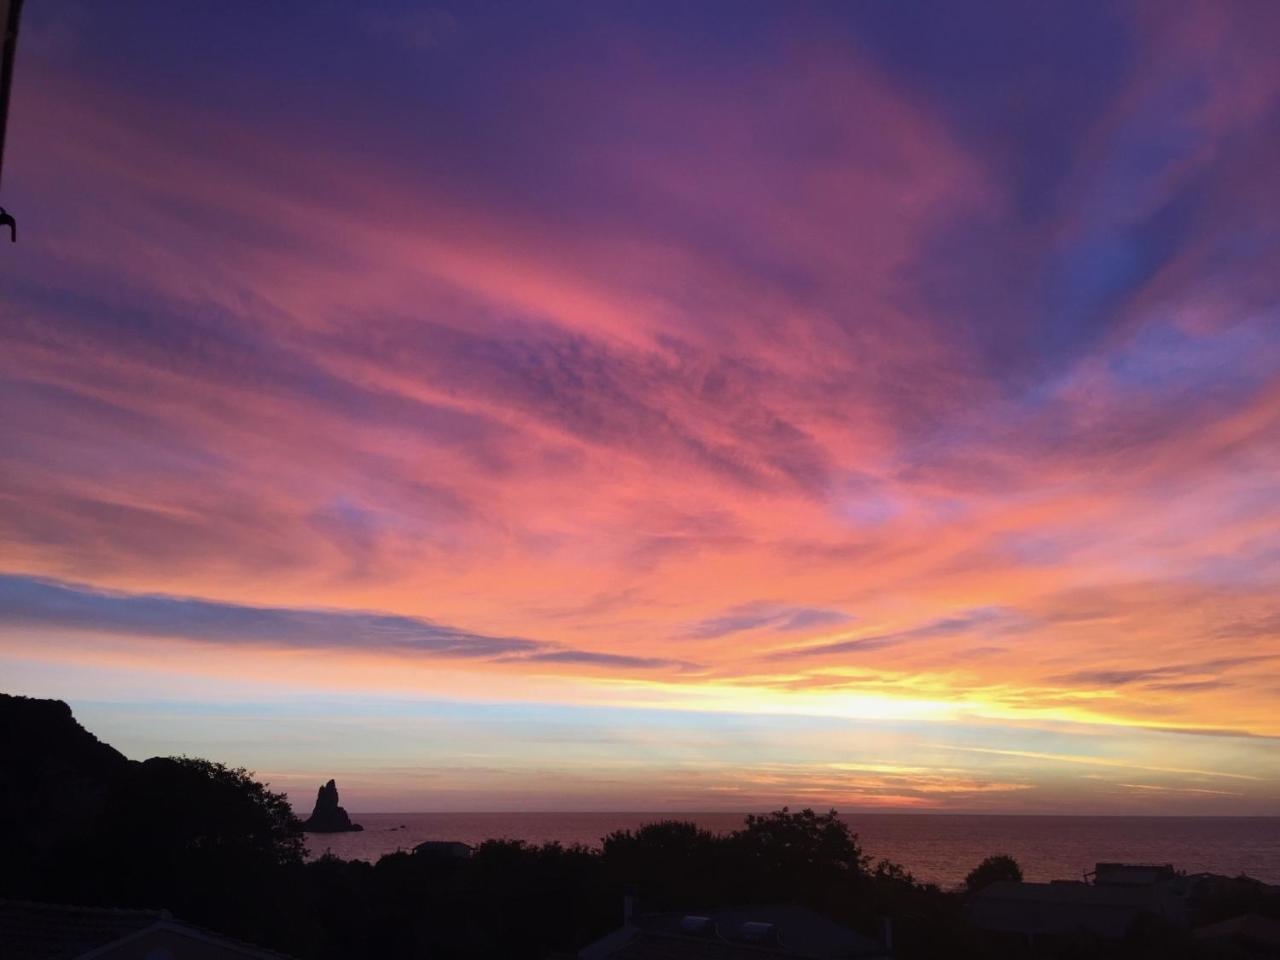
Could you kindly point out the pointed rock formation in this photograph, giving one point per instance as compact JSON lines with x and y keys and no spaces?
{"x":328,"y":817}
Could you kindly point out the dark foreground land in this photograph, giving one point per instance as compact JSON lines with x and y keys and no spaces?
{"x":81,"y":824}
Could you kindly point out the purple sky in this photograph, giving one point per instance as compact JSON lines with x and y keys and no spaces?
{"x":675,"y":405}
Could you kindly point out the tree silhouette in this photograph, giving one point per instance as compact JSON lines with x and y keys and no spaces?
{"x":670,"y":863}
{"x":206,"y":840}
{"x":804,"y":840}
{"x":995,"y":868}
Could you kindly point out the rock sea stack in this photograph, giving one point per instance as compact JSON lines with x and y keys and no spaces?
{"x":328,"y":817}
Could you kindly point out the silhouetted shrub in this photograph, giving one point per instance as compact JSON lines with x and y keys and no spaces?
{"x":670,"y":864}
{"x":995,"y":868}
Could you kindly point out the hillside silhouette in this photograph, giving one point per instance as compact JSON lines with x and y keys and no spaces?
{"x":56,"y":780}
{"x":56,"y":774}
{"x":82,"y":824}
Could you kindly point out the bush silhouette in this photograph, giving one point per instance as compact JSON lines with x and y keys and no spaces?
{"x":995,"y":868}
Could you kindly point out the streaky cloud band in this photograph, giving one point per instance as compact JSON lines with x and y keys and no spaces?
{"x":34,"y":602}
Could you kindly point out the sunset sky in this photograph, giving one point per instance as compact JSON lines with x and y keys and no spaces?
{"x":653,"y":406}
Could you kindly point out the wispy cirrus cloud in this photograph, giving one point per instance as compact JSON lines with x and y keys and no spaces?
{"x":620,"y":660}
{"x":986,"y":622}
{"x":759,"y":615}
{"x":1167,"y":675}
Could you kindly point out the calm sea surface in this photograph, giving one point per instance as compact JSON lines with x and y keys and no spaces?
{"x":937,"y":847}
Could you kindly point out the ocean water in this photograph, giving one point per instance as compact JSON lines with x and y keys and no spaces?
{"x":940,"y":848}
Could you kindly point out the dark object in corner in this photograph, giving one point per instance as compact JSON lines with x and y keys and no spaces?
{"x":10,"y":11}
{"x":328,"y":817}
